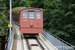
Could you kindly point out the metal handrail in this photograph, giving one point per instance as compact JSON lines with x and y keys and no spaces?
{"x":10,"y":39}
{"x":60,"y":39}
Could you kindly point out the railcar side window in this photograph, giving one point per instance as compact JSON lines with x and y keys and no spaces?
{"x":38,"y":15}
{"x":31,"y":15}
{"x":25,"y":14}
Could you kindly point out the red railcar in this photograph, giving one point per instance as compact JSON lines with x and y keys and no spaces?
{"x":31,"y":21}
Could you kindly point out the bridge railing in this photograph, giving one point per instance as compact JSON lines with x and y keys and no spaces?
{"x":58,"y":42}
{"x":10,"y":39}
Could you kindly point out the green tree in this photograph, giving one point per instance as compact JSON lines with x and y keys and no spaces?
{"x":3,"y":25}
{"x":2,"y":5}
{"x":59,"y":19}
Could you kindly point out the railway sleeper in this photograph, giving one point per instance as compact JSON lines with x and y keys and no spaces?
{"x":34,"y":45}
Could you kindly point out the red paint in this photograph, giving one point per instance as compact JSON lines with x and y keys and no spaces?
{"x":37,"y":23}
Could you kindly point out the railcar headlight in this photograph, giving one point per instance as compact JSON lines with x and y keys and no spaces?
{"x":31,"y":24}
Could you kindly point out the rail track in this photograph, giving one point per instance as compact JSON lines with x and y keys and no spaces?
{"x":39,"y":43}
{"x":33,"y":45}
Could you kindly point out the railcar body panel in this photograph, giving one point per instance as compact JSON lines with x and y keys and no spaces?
{"x":31,"y":20}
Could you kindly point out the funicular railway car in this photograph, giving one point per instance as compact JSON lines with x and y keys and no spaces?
{"x":31,"y":21}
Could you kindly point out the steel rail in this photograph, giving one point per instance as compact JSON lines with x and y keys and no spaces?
{"x":43,"y":43}
{"x":29,"y":47}
{"x":28,"y":44}
{"x":40,"y":44}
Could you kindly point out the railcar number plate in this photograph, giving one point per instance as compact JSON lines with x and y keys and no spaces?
{"x":24,"y":20}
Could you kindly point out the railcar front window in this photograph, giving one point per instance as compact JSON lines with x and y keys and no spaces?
{"x":25,"y":9}
{"x":38,"y":10}
{"x":25,"y":14}
{"x":31,"y":15}
{"x":38,"y":15}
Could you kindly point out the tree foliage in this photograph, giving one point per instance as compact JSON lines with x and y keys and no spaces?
{"x":2,"y":5}
{"x":59,"y":15}
{"x":59,"y":19}
{"x":3,"y":20}
{"x":3,"y":25}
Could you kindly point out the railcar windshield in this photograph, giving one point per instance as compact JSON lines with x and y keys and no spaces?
{"x":31,"y":15}
{"x":25,"y":9}
{"x":38,"y":14}
{"x":37,"y":10}
{"x":25,"y":14}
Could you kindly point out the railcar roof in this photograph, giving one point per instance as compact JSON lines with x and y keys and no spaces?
{"x":31,"y":8}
